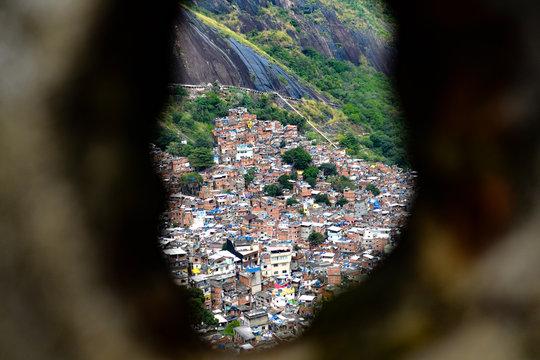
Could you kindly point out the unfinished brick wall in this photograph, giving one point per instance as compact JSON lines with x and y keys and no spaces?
{"x":334,"y":276}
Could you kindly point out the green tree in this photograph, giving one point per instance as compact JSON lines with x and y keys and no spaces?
{"x":201,"y":158}
{"x":248,"y":178}
{"x":297,"y":157}
{"x":282,"y":144}
{"x":311,"y":172}
{"x":273,"y":190}
{"x":197,"y":311}
{"x":202,"y":141}
{"x":294,"y":175}
{"x":291,"y":201}
{"x":246,"y":101}
{"x":315,"y":238}
{"x":374,"y":190}
{"x":179,"y":91}
{"x":229,"y":329}
{"x":311,"y":181}
{"x":175,"y":148}
{"x":341,"y":182}
{"x":162,"y":137}
{"x":350,"y":142}
{"x":186,"y":150}
{"x":176,"y":118}
{"x":285,"y":183}
{"x":209,"y":107}
{"x":328,"y":169}
{"x":341,"y":202}
{"x":322,"y":199}
{"x":190,"y":183}
{"x":289,"y":119}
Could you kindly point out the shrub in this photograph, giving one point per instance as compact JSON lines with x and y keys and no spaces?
{"x":315,"y":238}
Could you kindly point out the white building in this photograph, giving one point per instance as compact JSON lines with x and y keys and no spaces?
{"x":280,"y":297}
{"x":373,"y":236}
{"x":276,"y":261}
{"x":222,"y":262}
{"x":244,"y":151}
{"x":199,"y":218}
{"x":334,"y":233}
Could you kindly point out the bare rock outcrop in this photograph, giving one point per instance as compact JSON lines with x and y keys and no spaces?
{"x":203,"y":55}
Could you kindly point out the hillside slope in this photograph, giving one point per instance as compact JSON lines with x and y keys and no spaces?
{"x":344,"y":30}
{"x":317,"y":49}
{"x":206,"y":55}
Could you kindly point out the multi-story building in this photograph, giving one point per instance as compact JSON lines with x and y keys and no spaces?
{"x":256,"y":319}
{"x":256,"y":273}
{"x":276,"y":261}
{"x":305,"y":230}
{"x":244,"y":151}
{"x":334,"y":275}
{"x":334,"y":233}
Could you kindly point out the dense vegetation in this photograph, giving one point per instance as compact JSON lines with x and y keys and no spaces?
{"x":249,"y":176}
{"x":341,"y":202}
{"x":229,"y":329}
{"x":315,"y":238}
{"x":368,"y":96}
{"x":297,"y":157}
{"x":374,"y":190}
{"x":322,"y":199}
{"x":190,"y":183}
{"x":273,"y":190}
{"x":197,"y":311}
{"x":292,"y":201}
{"x":284,"y":182}
{"x":328,"y":169}
{"x":361,"y":14}
{"x":339,"y":183}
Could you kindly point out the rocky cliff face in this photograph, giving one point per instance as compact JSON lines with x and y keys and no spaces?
{"x":203,"y":56}
{"x":329,"y":36}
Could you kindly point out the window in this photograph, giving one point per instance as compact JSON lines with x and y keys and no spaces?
{"x":276,"y":272}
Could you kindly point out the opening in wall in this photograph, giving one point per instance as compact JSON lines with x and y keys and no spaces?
{"x":284,"y":161}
